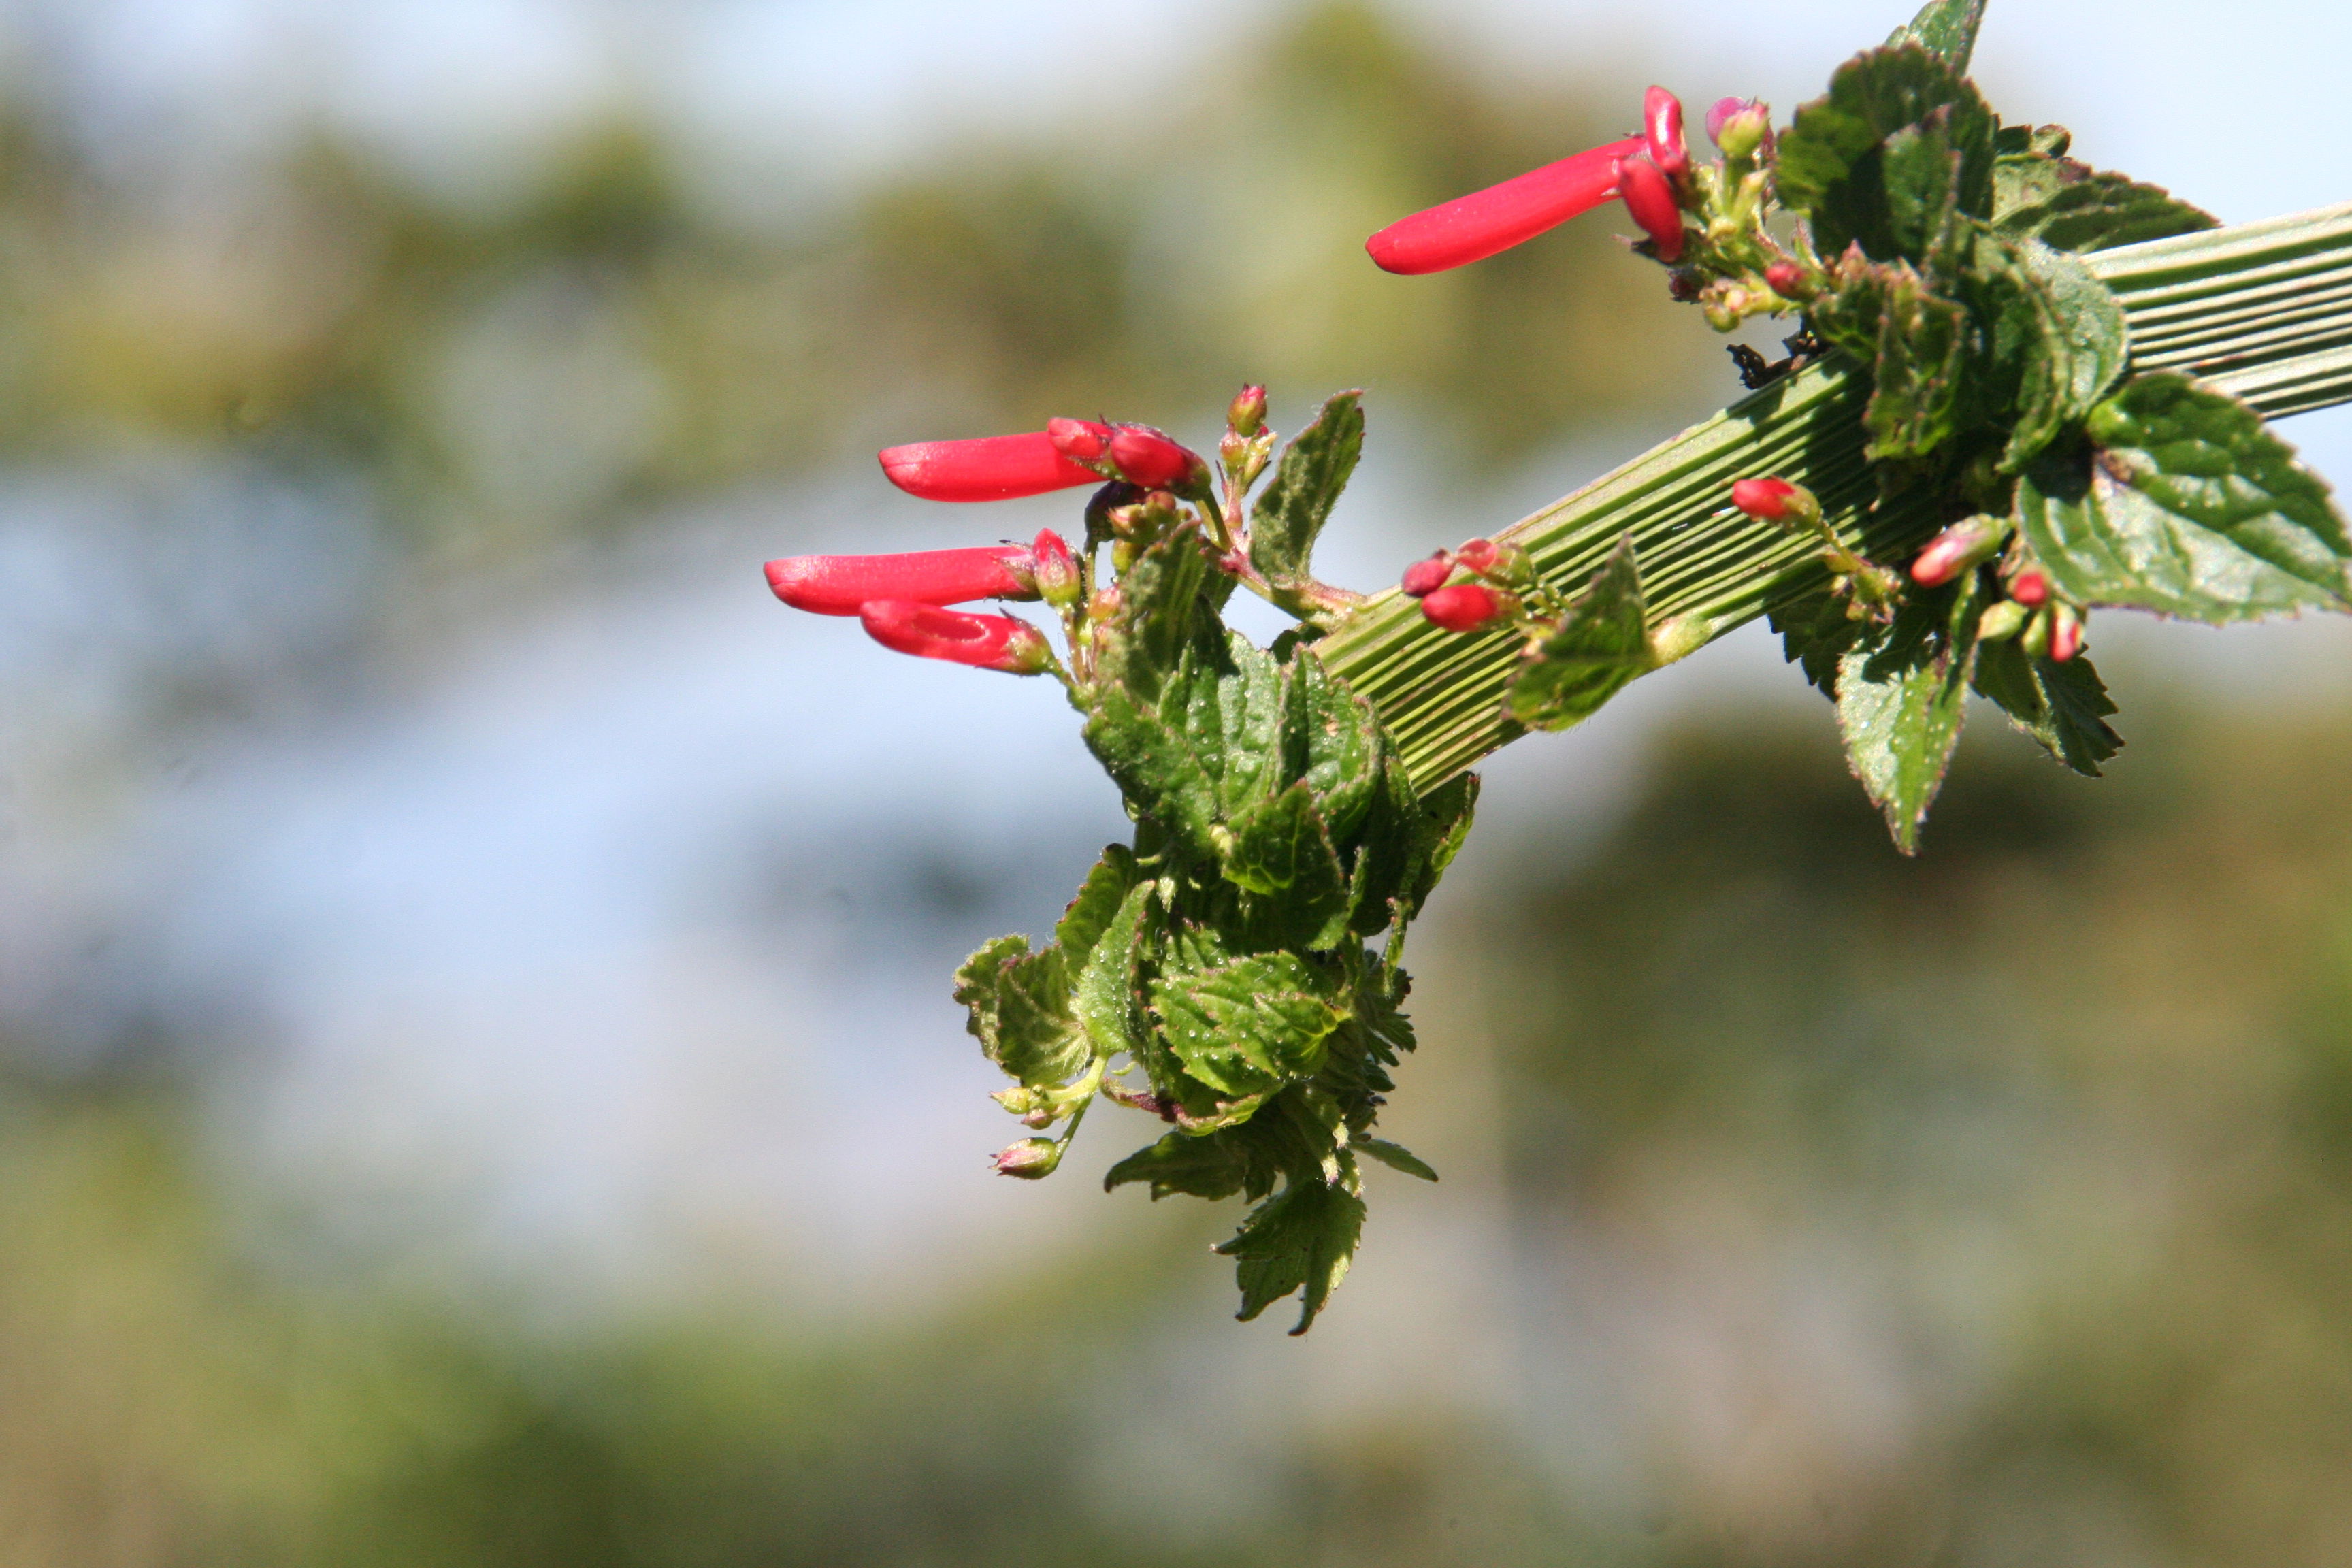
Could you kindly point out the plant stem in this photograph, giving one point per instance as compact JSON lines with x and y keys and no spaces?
{"x":2261,"y":310}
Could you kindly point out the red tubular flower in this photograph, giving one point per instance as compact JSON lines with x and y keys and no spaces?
{"x":2031,"y":589}
{"x":844,"y":585}
{"x":1661,"y":129}
{"x":989,"y":642}
{"x":1081,"y":440}
{"x":1649,"y":195}
{"x":1765,"y":500}
{"x":1148,"y":458}
{"x":1473,"y":228}
{"x":1467,"y":606}
{"x":994,"y":468}
{"x":1424,"y":578}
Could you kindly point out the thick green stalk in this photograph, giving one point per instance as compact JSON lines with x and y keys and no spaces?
{"x":2264,"y":309}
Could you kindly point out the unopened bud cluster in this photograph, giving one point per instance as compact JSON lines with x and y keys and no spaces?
{"x":1499,"y":575}
{"x":2046,"y":625}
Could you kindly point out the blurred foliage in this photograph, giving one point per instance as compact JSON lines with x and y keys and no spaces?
{"x":2047,"y":1127}
{"x":1984,"y":1209}
{"x":605,"y":341}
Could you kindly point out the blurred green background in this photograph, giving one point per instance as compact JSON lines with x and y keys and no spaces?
{"x":477,"y":1085}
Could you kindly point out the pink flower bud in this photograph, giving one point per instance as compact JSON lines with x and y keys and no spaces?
{"x":1662,"y":127}
{"x":1424,"y":578}
{"x":987,"y":642}
{"x":2031,"y":589}
{"x":1030,"y":1159}
{"x":1957,"y":548}
{"x":2065,"y":633}
{"x":1740,"y":127}
{"x":1053,"y":571}
{"x":1467,"y":606}
{"x":1246,"y":414}
{"x":1788,"y":279}
{"x":1649,"y":195}
{"x":844,"y":585}
{"x":1147,"y":457}
{"x":994,"y":468}
{"x":1505,"y":564}
{"x":1769,"y":501}
{"x":1475,"y":226}
{"x":1081,"y":440}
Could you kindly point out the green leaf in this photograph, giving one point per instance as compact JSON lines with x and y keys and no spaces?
{"x":1384,"y":855}
{"x":1296,"y":502}
{"x":1104,"y":999}
{"x":1331,"y":740}
{"x":1230,"y":713}
{"x":2058,"y":338}
{"x":1246,"y":1026}
{"x":1213,"y":1166}
{"x":1396,"y":1157}
{"x":1281,"y":850}
{"x":1443,"y":822}
{"x":1319,"y":1125}
{"x":2188,"y":506}
{"x":1831,"y":162}
{"x":1155,"y":768}
{"x":2070,"y":207}
{"x":1089,"y":914}
{"x":1302,"y":1239}
{"x":1947,"y":28}
{"x":1920,"y":168}
{"x":2063,"y":705}
{"x":978,"y":982}
{"x":2050,"y":141}
{"x":1925,"y":344}
{"x":1039,"y":1040}
{"x":1902,"y":697}
{"x":1851,"y":311}
{"x":1139,"y":646}
{"x":1815,"y":633}
{"x":1380,"y":1013}
{"x":1601,"y":644}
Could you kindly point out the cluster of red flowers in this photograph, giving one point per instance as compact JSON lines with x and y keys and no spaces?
{"x":898,"y":598}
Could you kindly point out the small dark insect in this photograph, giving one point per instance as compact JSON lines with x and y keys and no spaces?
{"x":1755,"y":372}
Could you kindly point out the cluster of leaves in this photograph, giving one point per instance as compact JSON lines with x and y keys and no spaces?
{"x":2001,"y":391}
{"x":1224,"y":955}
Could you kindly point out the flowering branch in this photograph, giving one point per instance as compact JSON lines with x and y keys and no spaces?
{"x":2020,"y":389}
